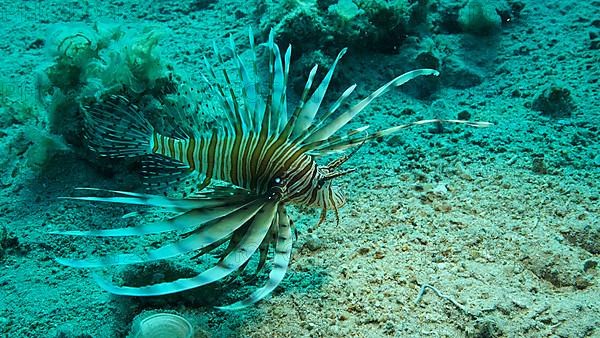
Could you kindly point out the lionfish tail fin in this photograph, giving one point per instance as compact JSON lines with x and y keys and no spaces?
{"x":117,"y":128}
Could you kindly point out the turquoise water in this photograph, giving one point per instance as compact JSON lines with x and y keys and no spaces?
{"x":447,"y":230}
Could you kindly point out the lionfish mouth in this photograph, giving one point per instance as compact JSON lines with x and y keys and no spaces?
{"x":231,"y":220}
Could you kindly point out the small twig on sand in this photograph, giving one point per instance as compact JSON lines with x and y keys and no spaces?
{"x":441,"y":295}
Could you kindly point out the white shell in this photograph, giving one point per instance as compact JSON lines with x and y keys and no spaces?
{"x":161,"y":325}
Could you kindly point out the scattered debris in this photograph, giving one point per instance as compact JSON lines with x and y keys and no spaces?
{"x":424,"y":287}
{"x":538,"y":165}
{"x":554,"y":101}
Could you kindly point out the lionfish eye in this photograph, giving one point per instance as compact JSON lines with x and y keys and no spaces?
{"x":320,"y":183}
{"x":277,"y":181}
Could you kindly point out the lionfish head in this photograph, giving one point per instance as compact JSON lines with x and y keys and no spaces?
{"x":319,"y":191}
{"x":329,"y":196}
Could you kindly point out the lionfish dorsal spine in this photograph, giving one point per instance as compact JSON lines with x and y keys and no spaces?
{"x":312,"y":105}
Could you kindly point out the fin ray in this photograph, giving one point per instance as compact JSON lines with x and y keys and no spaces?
{"x":200,"y":238}
{"x":182,"y":222}
{"x":200,"y":200}
{"x":247,"y":246}
{"x":336,"y":124}
{"x":311,"y":107}
{"x":283,"y":251}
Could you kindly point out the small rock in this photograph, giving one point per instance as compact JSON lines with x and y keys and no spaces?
{"x":442,"y":206}
{"x":479,"y":18}
{"x":538,"y":165}
{"x":427,"y":60}
{"x":554,"y":101}
{"x":558,"y":265}
{"x":440,"y":189}
{"x":36,"y":44}
{"x":464,"y":115}
{"x":313,"y":243}
{"x":509,"y":11}
{"x":586,"y":237}
{"x":583,"y":282}
{"x":589,"y":265}
{"x":5,"y":324}
{"x":594,"y":38}
{"x":398,"y":141}
{"x":597,"y":160}
{"x":484,"y":328}
{"x":457,"y":74}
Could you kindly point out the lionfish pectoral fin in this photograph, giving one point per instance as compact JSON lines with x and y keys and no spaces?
{"x":192,"y":212}
{"x":265,"y":246}
{"x":117,"y":128}
{"x":126,"y":197}
{"x":259,"y":228}
{"x":281,"y":260}
{"x":167,"y":175}
{"x":210,"y":248}
{"x":234,"y":240}
{"x":220,"y":196}
{"x":212,"y":232}
{"x":182,"y":222}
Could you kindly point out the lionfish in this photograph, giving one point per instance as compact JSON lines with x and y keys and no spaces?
{"x":262,"y":158}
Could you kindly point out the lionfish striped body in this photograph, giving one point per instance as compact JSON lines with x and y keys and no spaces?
{"x":263,"y":159}
{"x":255,"y":162}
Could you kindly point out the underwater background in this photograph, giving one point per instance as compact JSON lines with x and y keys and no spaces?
{"x":448,"y":231}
